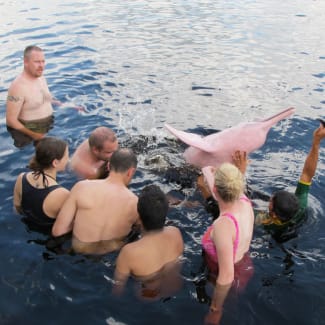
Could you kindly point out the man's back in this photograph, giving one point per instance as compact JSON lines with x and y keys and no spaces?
{"x":101,"y":213}
{"x":105,"y":210}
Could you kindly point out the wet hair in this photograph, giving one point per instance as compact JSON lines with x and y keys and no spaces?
{"x":46,"y":150}
{"x":285,"y":205}
{"x":229,"y":182}
{"x":152,"y":207}
{"x":100,"y":135}
{"x":122,"y":160}
{"x":29,"y":49}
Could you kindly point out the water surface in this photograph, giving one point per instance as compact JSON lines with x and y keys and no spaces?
{"x":197,"y":65}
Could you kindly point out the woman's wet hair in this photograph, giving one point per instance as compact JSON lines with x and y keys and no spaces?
{"x":285,"y":205}
{"x":152,"y":207}
{"x":229,"y":182}
{"x":46,"y":150}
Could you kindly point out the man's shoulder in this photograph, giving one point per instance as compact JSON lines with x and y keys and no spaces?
{"x":85,"y":184}
{"x":81,"y":148}
{"x":80,"y":155}
{"x":18,"y":84}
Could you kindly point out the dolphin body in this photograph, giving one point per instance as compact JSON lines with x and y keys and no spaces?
{"x":217,"y":148}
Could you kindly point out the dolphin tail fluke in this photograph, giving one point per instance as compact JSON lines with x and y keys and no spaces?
{"x":279,"y":116}
{"x":191,"y":139}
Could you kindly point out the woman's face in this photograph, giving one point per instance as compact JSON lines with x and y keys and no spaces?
{"x":64,"y":160}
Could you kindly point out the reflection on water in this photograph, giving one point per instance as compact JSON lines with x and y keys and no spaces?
{"x":200,"y":66}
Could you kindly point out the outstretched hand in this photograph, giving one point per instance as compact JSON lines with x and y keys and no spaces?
{"x":239,"y":159}
{"x":319,"y":133}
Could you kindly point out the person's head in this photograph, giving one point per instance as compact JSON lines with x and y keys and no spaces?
{"x":103,"y":142}
{"x":152,"y":208}
{"x":229,"y":182}
{"x":124,"y":161}
{"x":50,"y":152}
{"x":34,"y":61}
{"x":283,"y":205}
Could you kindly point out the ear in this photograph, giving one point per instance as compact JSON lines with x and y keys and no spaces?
{"x":131,"y":172}
{"x":94,"y":150}
{"x":55,"y":163}
{"x":215,"y":193}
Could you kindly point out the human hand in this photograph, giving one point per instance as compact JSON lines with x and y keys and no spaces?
{"x":38,"y":136}
{"x":78,"y":108}
{"x":239,"y":159}
{"x":319,"y":133}
{"x":203,"y":187}
{"x":213,"y":317}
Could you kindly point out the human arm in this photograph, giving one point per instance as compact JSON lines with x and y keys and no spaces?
{"x":18,"y":194}
{"x":222,"y":238}
{"x":54,"y":201}
{"x":122,"y":271}
{"x":64,"y":221}
{"x":203,"y":187}
{"x":14,"y":107}
{"x":15,"y":102}
{"x":311,"y":161}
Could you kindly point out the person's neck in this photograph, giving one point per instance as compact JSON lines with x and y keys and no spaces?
{"x":117,"y":178}
{"x":148,"y":233}
{"x":226,"y":206}
{"x":29,"y":76}
{"x":50,"y":173}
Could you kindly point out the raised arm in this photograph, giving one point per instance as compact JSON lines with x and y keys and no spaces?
{"x":311,"y":161}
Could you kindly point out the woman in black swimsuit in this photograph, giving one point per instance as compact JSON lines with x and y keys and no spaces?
{"x":37,"y":194}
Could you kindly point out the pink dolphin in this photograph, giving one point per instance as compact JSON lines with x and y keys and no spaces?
{"x":219,"y":147}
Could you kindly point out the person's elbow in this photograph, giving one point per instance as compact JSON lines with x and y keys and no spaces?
{"x":12,"y":121}
{"x":56,"y":231}
{"x":59,"y":230}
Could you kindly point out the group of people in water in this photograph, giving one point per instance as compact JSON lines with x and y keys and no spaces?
{"x":103,"y":215}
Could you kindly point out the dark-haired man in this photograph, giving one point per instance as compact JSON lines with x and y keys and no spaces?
{"x":29,"y":112}
{"x":287,"y":209}
{"x":101,"y":213}
{"x":153,"y":259}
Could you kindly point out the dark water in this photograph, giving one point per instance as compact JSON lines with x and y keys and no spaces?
{"x":198,"y":65}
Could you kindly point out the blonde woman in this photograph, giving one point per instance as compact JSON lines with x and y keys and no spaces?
{"x":227,"y":241}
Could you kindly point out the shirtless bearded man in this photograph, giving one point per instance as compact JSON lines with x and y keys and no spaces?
{"x":29,"y":112}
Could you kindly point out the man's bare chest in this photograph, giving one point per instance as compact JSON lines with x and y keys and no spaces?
{"x":36,"y":96}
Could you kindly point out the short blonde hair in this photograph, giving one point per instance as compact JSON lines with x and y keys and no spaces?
{"x":229,"y":182}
